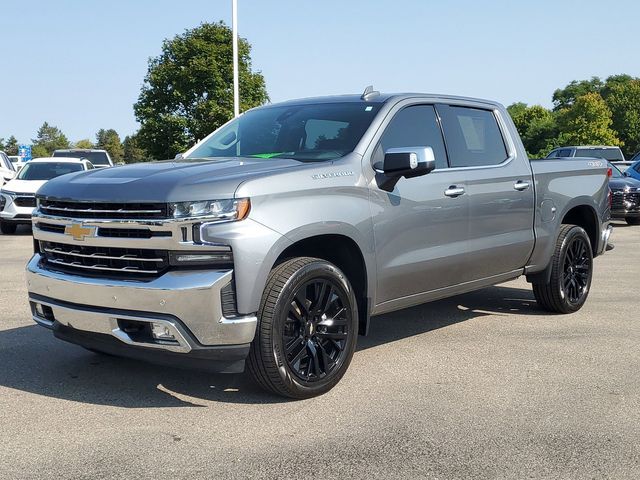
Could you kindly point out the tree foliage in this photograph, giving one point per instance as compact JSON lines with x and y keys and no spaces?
{"x":84,"y":143}
{"x":48,"y":139}
{"x":187,"y":92}
{"x":587,"y":122}
{"x":11,"y":146}
{"x":109,"y":140}
{"x":537,"y":127}
{"x":623,"y":98}
{"x":133,"y":152}
{"x":566,"y":97}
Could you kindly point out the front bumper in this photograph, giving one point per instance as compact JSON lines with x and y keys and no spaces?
{"x":187,"y":303}
{"x":15,"y":213}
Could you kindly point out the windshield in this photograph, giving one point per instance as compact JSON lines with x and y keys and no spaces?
{"x":96,"y":158}
{"x":47,"y":170}
{"x":606,"y":153}
{"x":308,"y":133}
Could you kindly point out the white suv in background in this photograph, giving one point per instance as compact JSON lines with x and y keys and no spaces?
{"x":17,"y":197}
{"x":7,"y":172}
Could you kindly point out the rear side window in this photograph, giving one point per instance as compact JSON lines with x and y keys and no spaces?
{"x":473,"y":136}
{"x":414,"y":126}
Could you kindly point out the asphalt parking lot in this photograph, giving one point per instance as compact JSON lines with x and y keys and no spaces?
{"x":484,"y":385}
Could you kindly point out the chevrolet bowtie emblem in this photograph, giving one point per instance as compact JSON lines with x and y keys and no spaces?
{"x":77,"y":231}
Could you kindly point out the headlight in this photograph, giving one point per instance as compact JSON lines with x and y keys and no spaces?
{"x":8,"y":193}
{"x":213,"y":210}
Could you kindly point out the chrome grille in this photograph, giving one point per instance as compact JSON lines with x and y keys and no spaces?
{"x":104,"y":260}
{"x":104,"y":210}
{"x":619,"y":197}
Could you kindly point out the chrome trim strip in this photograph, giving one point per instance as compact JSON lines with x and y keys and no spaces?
{"x":97,"y":267}
{"x":91,"y":210}
{"x":105,"y":257}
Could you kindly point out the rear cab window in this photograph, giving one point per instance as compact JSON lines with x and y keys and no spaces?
{"x":472,"y":136}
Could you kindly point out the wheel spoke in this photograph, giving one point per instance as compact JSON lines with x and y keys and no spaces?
{"x":333,"y":335}
{"x":317,"y":329}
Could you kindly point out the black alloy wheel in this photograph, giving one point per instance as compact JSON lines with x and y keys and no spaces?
{"x":577,"y":270}
{"x":316,"y":329}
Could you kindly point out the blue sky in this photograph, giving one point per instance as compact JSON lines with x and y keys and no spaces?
{"x":79,"y":64}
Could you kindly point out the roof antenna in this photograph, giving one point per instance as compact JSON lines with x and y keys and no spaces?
{"x":369,"y":92}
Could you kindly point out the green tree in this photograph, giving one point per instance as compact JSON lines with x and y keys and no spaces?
{"x":11,"y":146}
{"x":48,"y":139}
{"x":109,"y":140}
{"x":566,"y":97}
{"x":133,"y":152}
{"x":622,"y":94}
{"x":536,"y":125}
{"x":85,"y":143}
{"x":587,"y":122}
{"x":188,"y":90}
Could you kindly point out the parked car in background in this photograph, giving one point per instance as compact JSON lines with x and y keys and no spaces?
{"x":99,"y":158}
{"x":625,"y":191}
{"x":633,"y":170}
{"x":612,"y":154}
{"x":7,"y":172}
{"x":17,"y":197}
{"x":17,"y":162}
{"x":623,"y":166}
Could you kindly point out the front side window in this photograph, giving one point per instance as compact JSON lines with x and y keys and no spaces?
{"x":473,"y":137}
{"x":307,"y":133}
{"x":565,"y":152}
{"x":414,"y":126}
{"x":47,"y":170}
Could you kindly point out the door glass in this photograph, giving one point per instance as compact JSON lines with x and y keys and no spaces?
{"x":414,"y":126}
{"x":473,"y":136}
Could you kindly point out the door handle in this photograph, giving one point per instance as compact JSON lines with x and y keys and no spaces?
{"x":454,"y":191}
{"x":520,"y":185}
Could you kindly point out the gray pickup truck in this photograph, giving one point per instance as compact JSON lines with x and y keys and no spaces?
{"x":276,"y":238}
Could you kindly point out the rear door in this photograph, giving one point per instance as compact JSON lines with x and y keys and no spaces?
{"x":499,"y":186}
{"x":420,"y":228}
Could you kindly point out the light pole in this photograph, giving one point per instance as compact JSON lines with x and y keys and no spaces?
{"x":234,"y":29}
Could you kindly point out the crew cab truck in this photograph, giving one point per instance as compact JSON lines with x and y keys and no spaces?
{"x":273,"y":241}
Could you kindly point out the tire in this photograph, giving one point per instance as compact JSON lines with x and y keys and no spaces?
{"x":8,"y":228}
{"x":571,"y":273}
{"x":305,"y":337}
{"x":633,"y":220}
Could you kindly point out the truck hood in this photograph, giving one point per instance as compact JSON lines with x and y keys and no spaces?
{"x":167,"y":181}
{"x":621,"y":183}
{"x":23,"y":186}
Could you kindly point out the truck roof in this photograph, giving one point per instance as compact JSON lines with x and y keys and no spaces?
{"x":377,"y":98}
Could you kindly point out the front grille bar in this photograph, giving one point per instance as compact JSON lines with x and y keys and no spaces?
{"x":99,"y":267}
{"x":93,"y":210}
{"x":100,"y":256}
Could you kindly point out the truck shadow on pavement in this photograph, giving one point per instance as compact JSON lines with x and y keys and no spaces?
{"x":34,"y":361}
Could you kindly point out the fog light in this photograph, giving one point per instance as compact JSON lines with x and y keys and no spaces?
{"x":39,"y":310}
{"x":160,"y":331}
